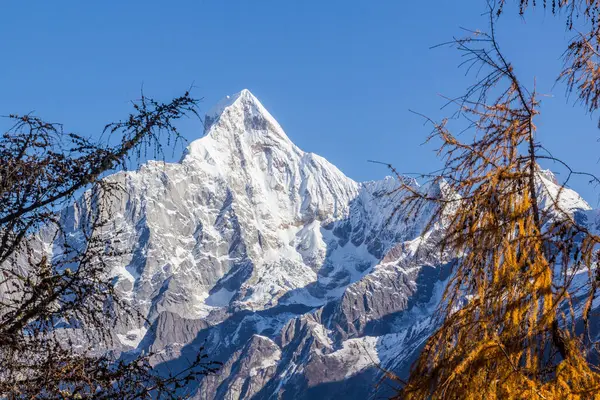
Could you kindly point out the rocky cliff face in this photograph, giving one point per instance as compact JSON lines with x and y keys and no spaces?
{"x":299,"y":279}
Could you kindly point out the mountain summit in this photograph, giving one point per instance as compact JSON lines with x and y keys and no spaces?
{"x":299,"y":279}
{"x":243,"y":105}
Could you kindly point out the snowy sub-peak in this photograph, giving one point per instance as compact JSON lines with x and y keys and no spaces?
{"x":552,"y":192}
{"x":293,"y":275}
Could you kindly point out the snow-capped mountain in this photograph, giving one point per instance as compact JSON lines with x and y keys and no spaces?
{"x":301,"y":280}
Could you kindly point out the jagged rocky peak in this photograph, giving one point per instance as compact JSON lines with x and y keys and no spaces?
{"x":239,"y":114}
{"x":240,"y":128}
{"x":245,"y":146}
{"x":243,"y":100}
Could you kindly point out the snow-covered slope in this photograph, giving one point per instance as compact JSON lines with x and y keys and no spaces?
{"x":298,"y":278}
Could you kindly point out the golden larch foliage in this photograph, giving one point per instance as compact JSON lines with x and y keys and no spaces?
{"x":507,"y":327}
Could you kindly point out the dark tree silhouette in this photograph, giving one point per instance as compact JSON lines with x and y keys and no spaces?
{"x":49,"y":300}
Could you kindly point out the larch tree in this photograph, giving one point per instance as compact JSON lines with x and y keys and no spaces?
{"x":508,"y":317}
{"x":50,"y":298}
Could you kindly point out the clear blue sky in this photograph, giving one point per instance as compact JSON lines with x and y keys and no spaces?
{"x":340,"y":76}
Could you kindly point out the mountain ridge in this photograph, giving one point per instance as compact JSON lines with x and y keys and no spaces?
{"x":301,"y":280}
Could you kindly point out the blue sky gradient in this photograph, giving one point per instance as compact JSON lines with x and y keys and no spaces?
{"x":340,"y":76}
